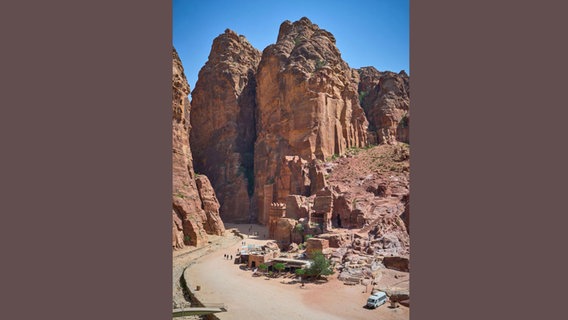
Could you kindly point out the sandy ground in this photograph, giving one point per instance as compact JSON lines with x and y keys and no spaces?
{"x":188,"y":256}
{"x":249,"y":297}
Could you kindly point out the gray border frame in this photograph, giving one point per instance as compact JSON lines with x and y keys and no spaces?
{"x":487,"y":171}
{"x":86,"y":121}
{"x":86,"y":170}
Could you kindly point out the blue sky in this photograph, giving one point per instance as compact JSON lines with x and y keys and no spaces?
{"x":368,"y":32}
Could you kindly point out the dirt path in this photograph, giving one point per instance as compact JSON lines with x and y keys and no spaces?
{"x":188,"y":256}
{"x":249,"y":297}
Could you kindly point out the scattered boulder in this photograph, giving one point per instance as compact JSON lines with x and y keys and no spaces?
{"x":293,"y":247}
{"x":336,"y":240}
{"x":397,"y":263}
{"x":315,"y":244}
{"x":283,"y":232}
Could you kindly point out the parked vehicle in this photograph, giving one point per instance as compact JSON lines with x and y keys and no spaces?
{"x":376,"y":299}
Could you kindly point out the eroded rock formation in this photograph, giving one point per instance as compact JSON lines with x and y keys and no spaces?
{"x":190,"y":222}
{"x":297,"y":207}
{"x":314,"y":245}
{"x":307,"y":106}
{"x":222,"y":117}
{"x":210,"y":204}
{"x":385,"y":97}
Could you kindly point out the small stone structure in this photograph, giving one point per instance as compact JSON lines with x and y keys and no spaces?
{"x":276,"y":211}
{"x":315,"y":244}
{"x":254,"y":256}
{"x":256,"y":259}
{"x":323,"y":208}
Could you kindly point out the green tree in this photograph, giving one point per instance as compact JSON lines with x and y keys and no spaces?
{"x":279,"y":266}
{"x":263,"y":267}
{"x":320,"y":266}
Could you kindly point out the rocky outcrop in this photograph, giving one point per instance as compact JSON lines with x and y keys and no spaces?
{"x":223,"y":120}
{"x":213,"y":223}
{"x":307,"y":106}
{"x":399,"y":263}
{"x":314,"y":245}
{"x":336,"y":240}
{"x":385,"y":97}
{"x":297,"y":207}
{"x":370,"y":190}
{"x":190,"y":223}
{"x":294,"y":177}
{"x":283,"y":232}
{"x":322,"y":210}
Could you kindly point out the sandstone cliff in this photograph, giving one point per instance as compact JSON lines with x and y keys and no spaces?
{"x":222,"y":117}
{"x":307,"y":106}
{"x":385,"y":97}
{"x":190,"y":222}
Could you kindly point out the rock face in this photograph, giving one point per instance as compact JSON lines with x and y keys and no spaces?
{"x":190,"y":222}
{"x":371,"y":193}
{"x":297,"y":207}
{"x":223,"y":121}
{"x":314,"y":244}
{"x":307,"y":106}
{"x":336,"y":240}
{"x":385,"y":97}
{"x":213,"y":223}
{"x":283,"y":232}
{"x":323,"y":209}
{"x":400,"y":263}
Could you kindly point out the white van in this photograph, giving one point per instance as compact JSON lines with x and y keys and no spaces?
{"x":376,"y":299}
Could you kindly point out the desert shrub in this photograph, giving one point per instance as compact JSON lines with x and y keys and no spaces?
{"x":321,"y":266}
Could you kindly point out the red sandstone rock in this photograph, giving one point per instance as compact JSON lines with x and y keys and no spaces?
{"x":297,"y":207}
{"x":293,"y":178}
{"x":322,"y":210}
{"x":222,"y":117}
{"x":385,"y":97}
{"x":213,"y":223}
{"x":336,"y":240}
{"x":188,"y":217}
{"x":307,"y":104}
{"x":283,"y":232}
{"x":397,"y":263}
{"x":315,"y":244}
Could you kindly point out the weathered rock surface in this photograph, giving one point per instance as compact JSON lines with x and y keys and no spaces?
{"x":307,"y":106}
{"x":315,"y":244}
{"x":322,"y":210}
{"x":399,"y":263}
{"x":297,"y":207}
{"x":213,"y":223}
{"x":370,"y":193}
{"x":190,"y":223}
{"x":385,"y":97}
{"x":336,"y":240}
{"x":283,"y":232}
{"x":223,"y":120}
{"x":293,"y":248}
{"x":294,"y":177}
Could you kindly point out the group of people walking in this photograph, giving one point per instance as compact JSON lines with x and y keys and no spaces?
{"x":228,"y":256}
